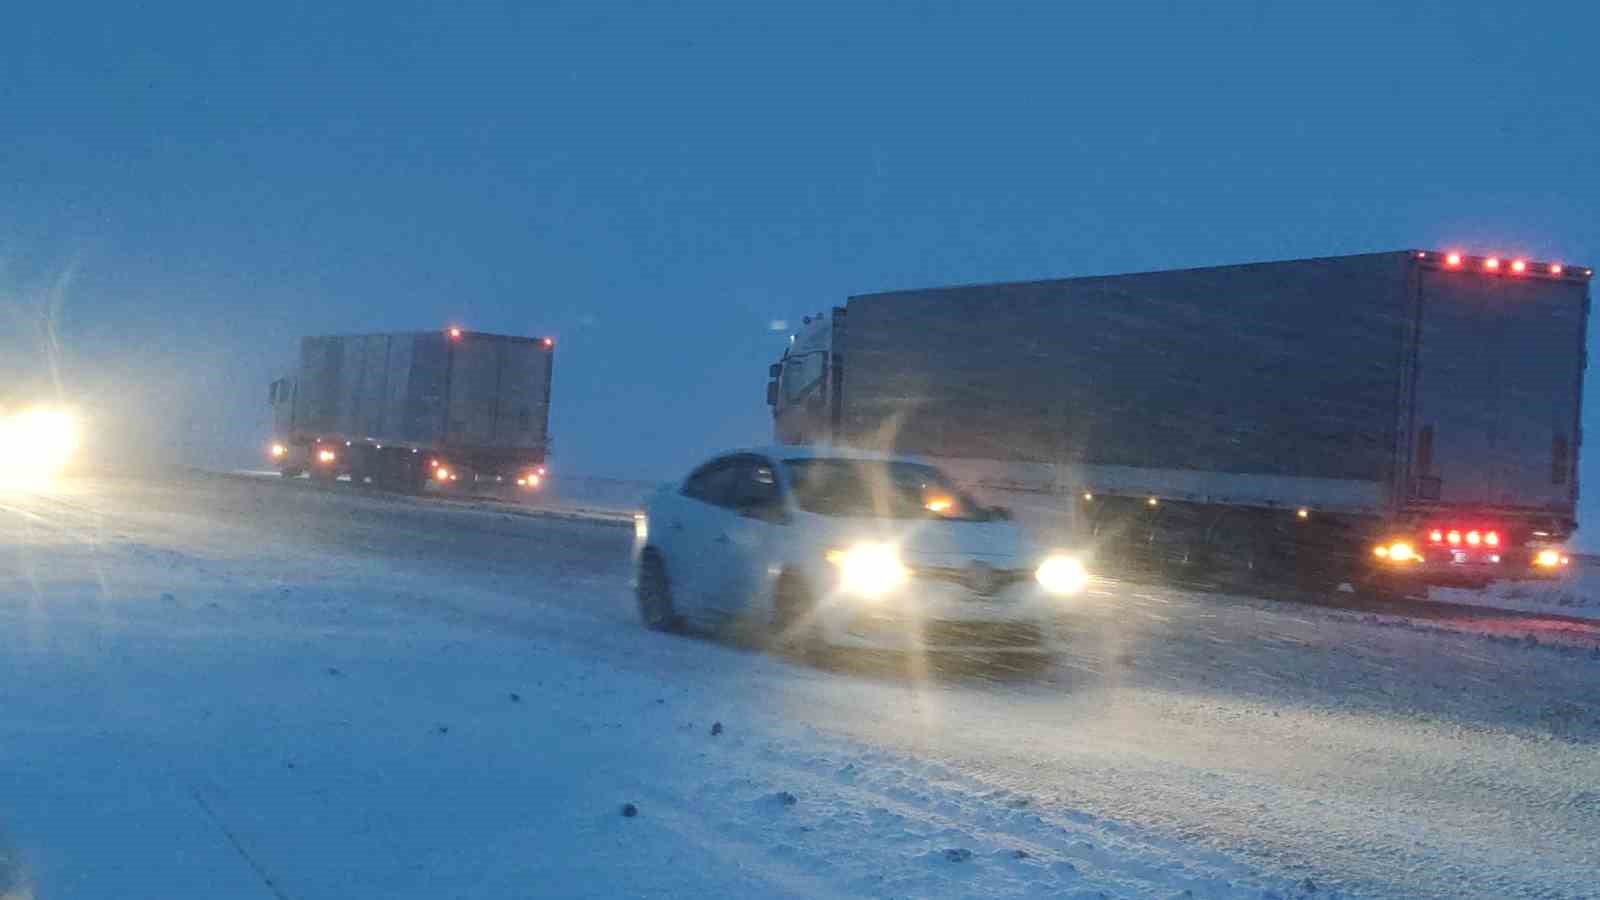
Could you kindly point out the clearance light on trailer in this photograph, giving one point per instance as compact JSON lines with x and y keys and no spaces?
{"x":1453,"y":259}
{"x":548,"y":343}
{"x":1492,"y":263}
{"x":455,"y":334}
{"x":1555,"y":268}
{"x":1519,"y":266}
{"x":1302,"y":513}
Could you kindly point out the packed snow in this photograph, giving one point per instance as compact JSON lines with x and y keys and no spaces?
{"x":241,"y":687}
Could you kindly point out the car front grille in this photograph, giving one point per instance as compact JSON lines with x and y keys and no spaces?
{"x":947,"y":633}
{"x":998,"y":579}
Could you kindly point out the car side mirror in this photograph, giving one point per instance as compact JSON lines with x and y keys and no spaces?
{"x":772,"y":393}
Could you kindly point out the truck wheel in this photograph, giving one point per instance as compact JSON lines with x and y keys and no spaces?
{"x":655,"y":595}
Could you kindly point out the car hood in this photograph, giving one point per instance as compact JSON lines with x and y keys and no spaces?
{"x":933,"y":542}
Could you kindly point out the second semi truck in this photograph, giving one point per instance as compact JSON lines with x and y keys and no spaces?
{"x":451,"y":406}
{"x":1390,"y":419}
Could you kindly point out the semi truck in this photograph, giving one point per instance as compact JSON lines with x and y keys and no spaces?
{"x":1386,"y":420}
{"x":452,"y":407}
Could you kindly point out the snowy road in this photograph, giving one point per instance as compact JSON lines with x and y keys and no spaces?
{"x":246,"y":688}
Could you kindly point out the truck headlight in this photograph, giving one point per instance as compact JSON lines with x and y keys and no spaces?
{"x":869,"y":569}
{"x":326,"y":456}
{"x":279,"y":450}
{"x":1062,"y":575}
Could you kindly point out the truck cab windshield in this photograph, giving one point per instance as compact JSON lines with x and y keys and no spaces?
{"x":867,"y":488}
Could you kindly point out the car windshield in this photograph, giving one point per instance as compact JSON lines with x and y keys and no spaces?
{"x":878,"y":489}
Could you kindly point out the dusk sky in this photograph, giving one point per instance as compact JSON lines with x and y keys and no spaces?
{"x":192,"y":188}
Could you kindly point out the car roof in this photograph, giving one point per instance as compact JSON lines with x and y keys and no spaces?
{"x":815,"y":451}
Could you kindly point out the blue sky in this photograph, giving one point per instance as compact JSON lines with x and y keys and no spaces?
{"x":197,"y":186}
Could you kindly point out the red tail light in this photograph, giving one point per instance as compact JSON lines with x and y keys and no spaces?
{"x":1436,"y":536}
{"x":1474,"y":538}
{"x":1453,"y":259}
{"x":1519,"y":266}
{"x":1454,"y":537}
{"x":1492,"y":263}
{"x":1555,"y":268}
{"x":1492,"y":539}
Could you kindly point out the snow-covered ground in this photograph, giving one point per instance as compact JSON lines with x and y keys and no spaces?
{"x":1576,"y":594}
{"x":231,"y":687}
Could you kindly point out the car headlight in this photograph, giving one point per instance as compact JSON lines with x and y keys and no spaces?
{"x":1062,"y":575}
{"x":869,"y":569}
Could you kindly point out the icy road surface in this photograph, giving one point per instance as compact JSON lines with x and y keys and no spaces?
{"x":221,"y":687}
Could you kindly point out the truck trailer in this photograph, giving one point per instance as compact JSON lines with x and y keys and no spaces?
{"x":403,"y":409}
{"x":1388,"y":420}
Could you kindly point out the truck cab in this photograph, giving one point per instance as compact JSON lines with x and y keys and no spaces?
{"x":802,"y":385}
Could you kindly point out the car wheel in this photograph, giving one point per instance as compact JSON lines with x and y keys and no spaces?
{"x":655,"y":595}
{"x":796,"y":630}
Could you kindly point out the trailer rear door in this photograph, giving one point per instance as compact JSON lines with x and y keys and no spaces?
{"x":1499,"y":366}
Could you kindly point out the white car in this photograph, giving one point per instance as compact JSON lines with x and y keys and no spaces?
{"x":819,"y":547}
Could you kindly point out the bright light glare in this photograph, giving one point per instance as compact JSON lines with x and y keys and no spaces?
{"x":1400,"y":551}
{"x":279,"y":449}
{"x":36,"y":444}
{"x":869,"y":569}
{"x":441,"y":473}
{"x":1474,"y":538}
{"x":1453,"y":259}
{"x":939,"y":505}
{"x":1062,"y":575}
{"x":641,"y":527}
{"x":1548,"y":558}
{"x":1492,"y":539}
{"x":327,"y":456}
{"x":1519,"y":265}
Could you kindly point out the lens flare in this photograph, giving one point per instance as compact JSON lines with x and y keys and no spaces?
{"x":36,"y":445}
